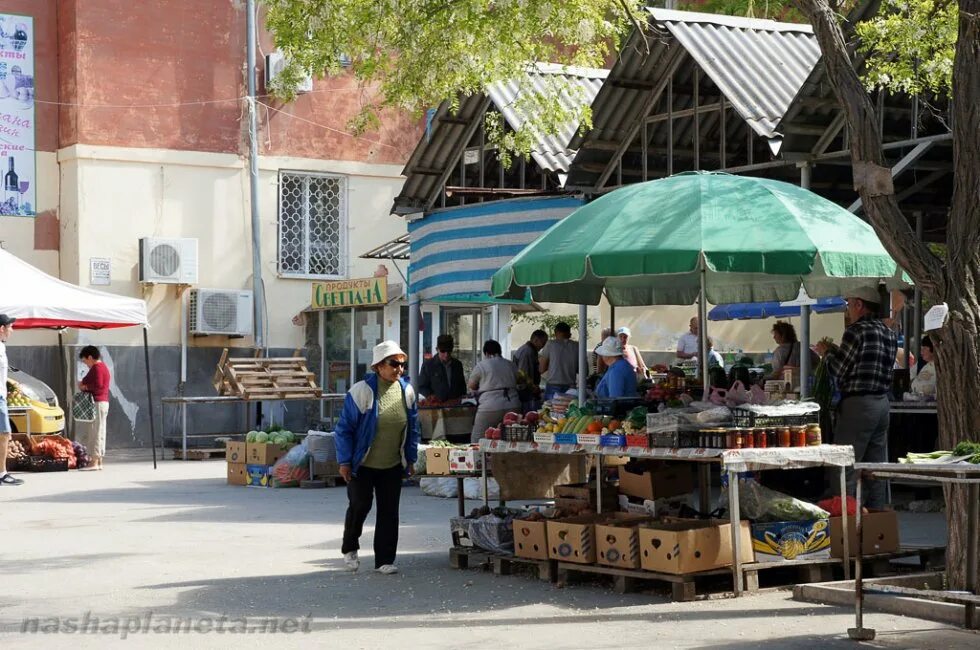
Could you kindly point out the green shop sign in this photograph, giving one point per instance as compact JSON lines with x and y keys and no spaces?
{"x":350,"y":293}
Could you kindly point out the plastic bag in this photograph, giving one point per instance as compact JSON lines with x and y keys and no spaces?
{"x":292,"y":468}
{"x":493,"y":532}
{"x":438,"y":487}
{"x":447,"y":488}
{"x":759,"y":503}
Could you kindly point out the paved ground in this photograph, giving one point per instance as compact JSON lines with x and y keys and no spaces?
{"x":145,"y":551}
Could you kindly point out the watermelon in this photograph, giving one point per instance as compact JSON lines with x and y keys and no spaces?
{"x":261,"y":437}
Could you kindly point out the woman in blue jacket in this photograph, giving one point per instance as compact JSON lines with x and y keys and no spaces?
{"x":620,"y":377}
{"x":377,"y":445}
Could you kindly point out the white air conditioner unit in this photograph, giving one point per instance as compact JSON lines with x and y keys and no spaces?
{"x":274,"y":63}
{"x":221,"y":312}
{"x":168,"y":261}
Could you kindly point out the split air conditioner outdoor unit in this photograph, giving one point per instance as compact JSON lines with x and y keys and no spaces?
{"x":220,"y":312}
{"x":168,"y":261}
{"x":274,"y":64}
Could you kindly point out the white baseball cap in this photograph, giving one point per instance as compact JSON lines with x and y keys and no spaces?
{"x":609,"y":348}
{"x":384,"y":350}
{"x":624,"y":330}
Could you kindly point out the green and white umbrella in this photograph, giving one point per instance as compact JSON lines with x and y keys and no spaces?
{"x":755,"y":240}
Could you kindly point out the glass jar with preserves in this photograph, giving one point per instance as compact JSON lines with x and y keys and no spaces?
{"x":785,"y":439}
{"x":748,"y":440}
{"x":772,"y":439}
{"x":760,"y":438}
{"x":798,"y":436}
{"x":814,"y":437}
{"x":734,"y":439}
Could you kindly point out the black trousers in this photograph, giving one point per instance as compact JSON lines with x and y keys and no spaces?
{"x":387,"y":485}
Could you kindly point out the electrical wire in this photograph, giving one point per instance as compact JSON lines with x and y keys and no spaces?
{"x":329,"y":128}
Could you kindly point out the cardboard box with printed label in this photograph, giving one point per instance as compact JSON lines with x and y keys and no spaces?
{"x":688,"y":546}
{"x":531,"y":539}
{"x":658,"y":481}
{"x":235,"y":452}
{"x":572,"y":539}
{"x":236,"y":474}
{"x":263,"y":453}
{"x":783,"y":541}
{"x":258,"y":476}
{"x":618,"y":542}
{"x":880,"y":534}
{"x":437,"y":461}
{"x":464,"y":461}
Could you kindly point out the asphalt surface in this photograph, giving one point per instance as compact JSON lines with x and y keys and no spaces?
{"x":172,"y":557}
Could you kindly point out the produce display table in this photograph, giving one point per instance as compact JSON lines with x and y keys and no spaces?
{"x":731,"y":461}
{"x":919,"y":408}
{"x":941,"y":473}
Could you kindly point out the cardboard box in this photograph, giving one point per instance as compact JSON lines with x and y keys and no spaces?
{"x":614,"y":461}
{"x":783,"y":541}
{"x":258,"y":476}
{"x":688,"y":546}
{"x":661,"y":480}
{"x":326,"y":468}
{"x":235,"y":452}
{"x":647,"y":507}
{"x":572,"y":539}
{"x":437,"y":461}
{"x":531,"y":539}
{"x":236,"y":474}
{"x":464,"y":461}
{"x":880,"y":534}
{"x":618,"y":541}
{"x":263,"y":453}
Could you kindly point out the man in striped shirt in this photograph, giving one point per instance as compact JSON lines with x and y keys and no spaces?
{"x":862,"y":366}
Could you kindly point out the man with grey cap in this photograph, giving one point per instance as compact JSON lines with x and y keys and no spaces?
{"x":6,"y":327}
{"x":631,"y":353}
{"x":862,"y":366}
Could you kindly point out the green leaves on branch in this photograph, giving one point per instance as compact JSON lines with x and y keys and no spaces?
{"x":910,"y":46}
{"x":417,"y":53}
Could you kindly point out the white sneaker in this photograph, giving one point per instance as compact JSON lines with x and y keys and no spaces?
{"x":387,"y":569}
{"x":351,"y":561}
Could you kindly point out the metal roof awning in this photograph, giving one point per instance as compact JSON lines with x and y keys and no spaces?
{"x":396,"y":249}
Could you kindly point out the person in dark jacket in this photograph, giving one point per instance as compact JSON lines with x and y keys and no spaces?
{"x":442,"y":376}
{"x":377,"y":440}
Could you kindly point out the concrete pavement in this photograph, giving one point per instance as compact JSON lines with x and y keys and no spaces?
{"x":149,"y":551}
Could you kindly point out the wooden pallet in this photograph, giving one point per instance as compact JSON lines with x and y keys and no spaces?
{"x":198,"y":454}
{"x":265,"y":378}
{"x":683,"y":587}
{"x":463,"y":557}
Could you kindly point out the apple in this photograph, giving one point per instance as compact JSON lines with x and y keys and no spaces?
{"x":531,"y":418}
{"x":512,"y":418}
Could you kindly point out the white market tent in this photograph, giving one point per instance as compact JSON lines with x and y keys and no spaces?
{"x":38,"y":300}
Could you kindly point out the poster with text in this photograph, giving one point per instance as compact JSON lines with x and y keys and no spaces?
{"x":17,"y":165}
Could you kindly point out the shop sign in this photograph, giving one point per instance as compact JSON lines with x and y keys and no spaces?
{"x":341,"y":294}
{"x":17,"y":145}
{"x":100,"y":271}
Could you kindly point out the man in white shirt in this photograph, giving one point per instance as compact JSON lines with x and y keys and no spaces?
{"x":6,"y":327}
{"x":690,"y":343}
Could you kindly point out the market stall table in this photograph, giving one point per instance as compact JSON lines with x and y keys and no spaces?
{"x":923,"y":408}
{"x":732,"y":462}
{"x":942,"y":473}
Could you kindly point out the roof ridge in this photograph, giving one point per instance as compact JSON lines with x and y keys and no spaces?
{"x":758,"y":24}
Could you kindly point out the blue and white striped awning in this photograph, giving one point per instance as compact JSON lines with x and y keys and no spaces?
{"x":455,"y":251}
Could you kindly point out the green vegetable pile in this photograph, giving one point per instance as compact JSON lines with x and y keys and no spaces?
{"x":276,"y":435}
{"x":965,"y":448}
{"x":968,"y":448}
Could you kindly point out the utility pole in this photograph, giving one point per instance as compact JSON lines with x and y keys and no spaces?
{"x":258,"y":289}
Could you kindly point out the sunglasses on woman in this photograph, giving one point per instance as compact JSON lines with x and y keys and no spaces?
{"x":396,"y":364}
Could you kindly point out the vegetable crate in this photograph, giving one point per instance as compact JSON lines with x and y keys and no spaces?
{"x":744,"y":418}
{"x":46,"y":464}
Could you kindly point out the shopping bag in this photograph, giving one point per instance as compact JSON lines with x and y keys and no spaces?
{"x":83,"y":407}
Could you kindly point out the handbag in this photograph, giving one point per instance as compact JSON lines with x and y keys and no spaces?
{"x":83,"y":407}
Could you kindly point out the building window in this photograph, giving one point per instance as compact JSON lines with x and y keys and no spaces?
{"x":312,"y":225}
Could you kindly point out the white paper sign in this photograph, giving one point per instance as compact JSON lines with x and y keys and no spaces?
{"x":936,"y":317}
{"x":100,"y":271}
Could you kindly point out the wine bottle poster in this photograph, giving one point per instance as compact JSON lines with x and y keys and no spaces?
{"x":17,"y":164}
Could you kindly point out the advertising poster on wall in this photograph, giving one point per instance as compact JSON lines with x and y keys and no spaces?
{"x":17,"y":164}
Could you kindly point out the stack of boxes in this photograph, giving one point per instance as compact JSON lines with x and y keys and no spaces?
{"x":250,"y":463}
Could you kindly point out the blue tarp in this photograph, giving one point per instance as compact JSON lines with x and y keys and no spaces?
{"x":753,"y":310}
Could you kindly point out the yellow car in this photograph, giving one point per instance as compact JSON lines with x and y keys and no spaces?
{"x":30,"y":398}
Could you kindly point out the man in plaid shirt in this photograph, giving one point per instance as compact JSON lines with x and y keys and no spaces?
{"x":862,"y":366}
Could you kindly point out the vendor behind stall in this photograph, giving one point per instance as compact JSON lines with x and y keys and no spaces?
{"x":925,"y":382}
{"x":787,"y":351}
{"x":619,"y":379}
{"x":442,"y":377}
{"x":494,"y":379}
{"x":631,"y":353}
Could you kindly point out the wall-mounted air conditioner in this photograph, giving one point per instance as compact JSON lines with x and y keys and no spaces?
{"x":220,"y":312}
{"x":274,"y":63}
{"x":168,"y":261}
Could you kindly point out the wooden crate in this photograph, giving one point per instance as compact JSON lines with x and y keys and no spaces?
{"x":265,"y":378}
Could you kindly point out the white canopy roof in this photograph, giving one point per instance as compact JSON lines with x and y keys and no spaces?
{"x":37,"y":299}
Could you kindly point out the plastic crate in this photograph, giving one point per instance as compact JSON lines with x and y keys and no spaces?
{"x":745,"y":419}
{"x":46,"y":464}
{"x":517,"y":432}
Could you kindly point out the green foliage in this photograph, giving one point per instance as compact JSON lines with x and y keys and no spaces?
{"x":547,"y":321}
{"x":417,"y":54}
{"x":910,"y":46}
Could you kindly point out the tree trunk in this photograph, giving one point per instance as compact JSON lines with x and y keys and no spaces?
{"x":957,"y":282}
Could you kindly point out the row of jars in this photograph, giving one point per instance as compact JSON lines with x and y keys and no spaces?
{"x":749,"y":438}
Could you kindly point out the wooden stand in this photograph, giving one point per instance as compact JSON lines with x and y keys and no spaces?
{"x":265,"y":378}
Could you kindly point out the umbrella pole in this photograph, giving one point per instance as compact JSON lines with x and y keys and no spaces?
{"x":149,"y":395}
{"x":804,"y":351}
{"x":583,"y":359}
{"x":703,"y":331}
{"x":65,"y":385}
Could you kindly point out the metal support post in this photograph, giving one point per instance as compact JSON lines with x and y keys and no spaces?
{"x":734,"y":516}
{"x":598,"y":483}
{"x":859,"y":632}
{"x":845,"y":524}
{"x":583,"y":359}
{"x":258,"y":288}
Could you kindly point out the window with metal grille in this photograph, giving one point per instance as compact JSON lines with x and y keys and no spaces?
{"x":312,"y":225}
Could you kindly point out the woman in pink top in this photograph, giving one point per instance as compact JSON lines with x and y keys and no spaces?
{"x":631,"y":353}
{"x":92,"y":434}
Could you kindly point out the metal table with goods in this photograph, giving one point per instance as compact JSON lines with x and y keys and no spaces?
{"x":941,"y":473}
{"x":731,"y":461}
{"x":918,"y":408}
{"x":184,"y":402}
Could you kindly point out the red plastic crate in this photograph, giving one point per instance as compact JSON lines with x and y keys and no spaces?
{"x":638,"y":440}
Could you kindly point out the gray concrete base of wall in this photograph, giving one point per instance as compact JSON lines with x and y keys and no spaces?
{"x":842,"y":593}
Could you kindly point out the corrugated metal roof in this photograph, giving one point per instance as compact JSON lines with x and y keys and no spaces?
{"x":448,"y":134}
{"x":759,"y":65}
{"x":551,"y":151}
